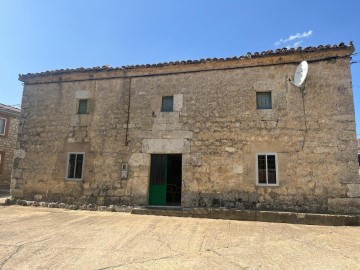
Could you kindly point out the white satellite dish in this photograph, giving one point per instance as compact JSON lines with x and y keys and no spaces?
{"x":301,"y":73}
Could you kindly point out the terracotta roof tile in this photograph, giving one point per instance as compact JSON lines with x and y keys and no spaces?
{"x":283,"y":51}
{"x":10,"y":109}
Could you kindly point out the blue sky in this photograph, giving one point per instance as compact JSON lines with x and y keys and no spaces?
{"x":43,"y":35}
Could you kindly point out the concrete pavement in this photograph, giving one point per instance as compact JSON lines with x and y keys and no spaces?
{"x":43,"y":238}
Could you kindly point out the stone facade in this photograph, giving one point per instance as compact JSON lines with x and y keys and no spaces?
{"x":215,"y":125}
{"x":8,"y":138}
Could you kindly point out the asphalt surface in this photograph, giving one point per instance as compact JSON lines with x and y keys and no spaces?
{"x":43,"y":238}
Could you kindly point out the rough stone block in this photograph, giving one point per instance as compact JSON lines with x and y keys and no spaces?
{"x":165,"y":146}
{"x":17,"y":173}
{"x":159,"y":127}
{"x":238,"y":169}
{"x":19,"y":153}
{"x":230,"y":149}
{"x":192,"y":159}
{"x":174,"y":126}
{"x":85,"y":120}
{"x":38,"y":197}
{"x":344,"y":205}
{"x":74,"y":120}
{"x":178,"y":102}
{"x":82,"y":94}
{"x":139,"y":159}
{"x":353,"y":190}
{"x":17,"y":193}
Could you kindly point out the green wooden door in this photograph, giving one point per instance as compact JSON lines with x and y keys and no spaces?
{"x":158,"y":180}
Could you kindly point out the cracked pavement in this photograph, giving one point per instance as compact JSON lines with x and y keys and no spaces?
{"x":44,"y":238}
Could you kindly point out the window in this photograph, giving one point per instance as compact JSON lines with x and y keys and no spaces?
{"x":263,"y":100}
{"x":75,"y":166}
{"x":83,"y":106}
{"x":167,"y":104}
{"x":359,"y":159}
{"x":2,"y":126}
{"x":266,"y":168}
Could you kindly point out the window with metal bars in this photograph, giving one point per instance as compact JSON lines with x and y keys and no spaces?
{"x":263,"y":100}
{"x":167,"y":104}
{"x":75,"y":166}
{"x":83,"y":106}
{"x":266,"y":167}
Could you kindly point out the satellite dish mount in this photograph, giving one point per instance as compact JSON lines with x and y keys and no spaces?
{"x":300,"y":75}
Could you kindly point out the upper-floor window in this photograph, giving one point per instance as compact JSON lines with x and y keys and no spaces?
{"x":263,"y":100}
{"x":167,"y":104}
{"x":2,"y":126}
{"x":267,"y":169}
{"x":75,"y":166}
{"x":83,"y":106}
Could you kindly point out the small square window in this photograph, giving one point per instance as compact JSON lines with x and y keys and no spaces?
{"x":75,"y":166}
{"x":2,"y":126}
{"x":263,"y":100}
{"x":83,"y":106}
{"x":266,"y":167}
{"x":167,"y":104}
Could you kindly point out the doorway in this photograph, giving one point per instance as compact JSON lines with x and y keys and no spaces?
{"x":165,"y":179}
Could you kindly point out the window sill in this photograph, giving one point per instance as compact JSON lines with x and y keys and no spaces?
{"x":74,"y":179}
{"x":267,"y":185}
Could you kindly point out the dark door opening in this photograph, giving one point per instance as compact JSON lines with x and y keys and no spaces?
{"x":165,"y":179}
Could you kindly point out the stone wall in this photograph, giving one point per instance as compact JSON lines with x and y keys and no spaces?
{"x":7,"y":147}
{"x":215,"y":126}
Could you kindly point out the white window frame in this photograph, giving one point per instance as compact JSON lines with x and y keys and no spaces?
{"x":257,"y":170}
{"x":3,"y":134}
{"x":67,"y":166}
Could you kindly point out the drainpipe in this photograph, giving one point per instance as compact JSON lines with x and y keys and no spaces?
{"x":128,"y":116}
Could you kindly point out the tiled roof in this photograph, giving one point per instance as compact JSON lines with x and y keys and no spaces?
{"x":10,"y":109}
{"x":279,"y":52}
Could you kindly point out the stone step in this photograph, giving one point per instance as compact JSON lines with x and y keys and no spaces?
{"x":262,"y":216}
{"x":161,"y":212}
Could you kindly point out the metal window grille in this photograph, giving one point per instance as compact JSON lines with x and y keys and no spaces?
{"x":267,"y":169}
{"x":75,"y":166}
{"x":263,"y":100}
{"x":167,"y":104}
{"x":83,"y":104}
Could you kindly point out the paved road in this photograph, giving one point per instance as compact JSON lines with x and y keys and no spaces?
{"x":41,"y":238}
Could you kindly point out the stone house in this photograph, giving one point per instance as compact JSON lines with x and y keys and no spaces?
{"x":231,"y":132}
{"x":9,"y":121}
